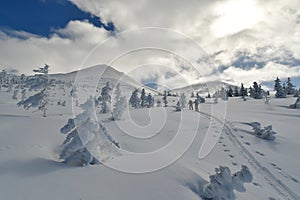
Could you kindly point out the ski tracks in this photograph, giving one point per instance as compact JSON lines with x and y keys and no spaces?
{"x":275,"y":183}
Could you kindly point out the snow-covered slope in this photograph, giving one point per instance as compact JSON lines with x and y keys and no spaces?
{"x":102,"y":72}
{"x":29,"y":144}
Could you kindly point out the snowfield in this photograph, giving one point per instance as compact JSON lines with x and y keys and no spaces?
{"x":30,"y":144}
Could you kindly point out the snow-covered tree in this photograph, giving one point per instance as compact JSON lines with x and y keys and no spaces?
{"x":223,"y":183}
{"x":243,"y":91}
{"x":158,"y":102}
{"x":87,"y":140}
{"x":297,"y":93}
{"x":9,"y":85}
{"x":143,"y":98}
{"x":183,"y":100}
{"x":120,"y":104}
{"x":215,"y":100}
{"x":178,"y":106}
{"x":16,"y":93}
{"x":193,"y":94}
{"x":165,"y":99}
{"x":73,"y":92}
{"x":200,"y":99}
{"x":134,"y":99}
{"x":236,"y":91}
{"x":150,"y":100}
{"x":256,"y":92}
{"x":105,"y":99}
{"x":230,"y":92}
{"x":223,"y":94}
{"x":23,"y":97}
{"x":39,"y":100}
{"x":280,"y":92}
{"x":290,"y":88}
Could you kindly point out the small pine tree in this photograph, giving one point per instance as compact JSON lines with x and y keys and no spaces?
{"x":158,"y":103}
{"x":134,"y":99}
{"x":193,"y":94}
{"x":165,"y":99}
{"x":280,"y":93}
{"x":143,"y":98}
{"x":230,"y":92}
{"x":256,"y":91}
{"x":236,"y":91}
{"x":105,"y":99}
{"x":16,"y":93}
{"x":290,"y":88}
{"x":178,"y":107}
{"x":150,"y":100}
{"x":23,"y":95}
{"x":183,"y":100}
{"x":120,"y":104}
{"x":243,"y":91}
{"x":223,"y":94}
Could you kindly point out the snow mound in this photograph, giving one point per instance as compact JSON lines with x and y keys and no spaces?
{"x":222,"y":184}
{"x":266,"y":133}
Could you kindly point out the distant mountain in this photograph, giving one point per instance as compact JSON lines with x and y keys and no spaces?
{"x":203,"y":88}
{"x":105,"y":74}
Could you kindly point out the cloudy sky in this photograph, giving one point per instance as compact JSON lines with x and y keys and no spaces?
{"x":243,"y":41}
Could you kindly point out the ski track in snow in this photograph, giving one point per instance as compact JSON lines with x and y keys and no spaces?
{"x":276,"y":184}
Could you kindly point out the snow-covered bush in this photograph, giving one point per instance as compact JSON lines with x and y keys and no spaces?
{"x":222,"y":184}
{"x":120,"y":104}
{"x":105,"y":99}
{"x":266,"y":133}
{"x":87,"y":140}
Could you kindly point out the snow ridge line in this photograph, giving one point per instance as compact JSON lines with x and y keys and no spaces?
{"x":280,"y":187}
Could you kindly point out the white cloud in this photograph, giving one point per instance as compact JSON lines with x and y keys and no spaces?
{"x":227,"y":25}
{"x":64,"y":50}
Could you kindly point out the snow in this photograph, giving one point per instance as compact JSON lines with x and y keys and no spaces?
{"x":30,"y":144}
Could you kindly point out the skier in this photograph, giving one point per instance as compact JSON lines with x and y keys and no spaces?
{"x":196,"y":105}
{"x":191,"y":105}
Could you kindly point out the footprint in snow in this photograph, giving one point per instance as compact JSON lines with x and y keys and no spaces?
{"x":234,"y":164}
{"x":247,"y":143}
{"x":226,"y":150}
{"x":241,"y":136}
{"x":224,"y":145}
{"x":295,"y":180}
{"x":256,"y":184}
{"x":231,"y":156}
{"x":259,"y":153}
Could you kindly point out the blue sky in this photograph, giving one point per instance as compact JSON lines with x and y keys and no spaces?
{"x":41,"y":16}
